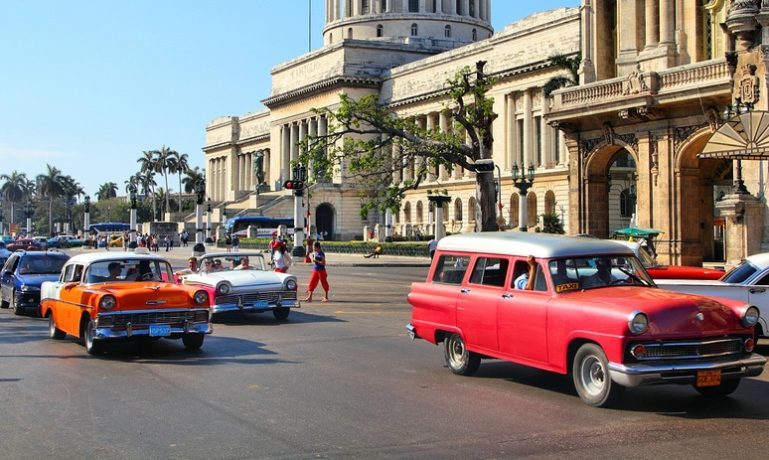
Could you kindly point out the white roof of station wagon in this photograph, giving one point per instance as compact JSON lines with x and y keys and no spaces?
{"x":540,"y":245}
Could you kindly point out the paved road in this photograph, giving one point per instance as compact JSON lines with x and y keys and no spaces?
{"x":340,"y":380}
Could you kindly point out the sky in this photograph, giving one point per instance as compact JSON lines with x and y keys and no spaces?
{"x":87,"y":86}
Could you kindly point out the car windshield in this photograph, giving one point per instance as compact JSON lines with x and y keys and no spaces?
{"x":41,"y":265}
{"x":597,"y":272}
{"x":129,"y":270}
{"x":740,"y":273}
{"x":233,"y":261}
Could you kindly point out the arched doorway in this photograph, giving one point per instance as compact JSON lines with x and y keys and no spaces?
{"x":601,"y":190}
{"x":324,"y":220}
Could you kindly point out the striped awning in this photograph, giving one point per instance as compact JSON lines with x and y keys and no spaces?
{"x":742,"y":137}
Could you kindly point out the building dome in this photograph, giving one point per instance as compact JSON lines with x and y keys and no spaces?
{"x":439,"y":24}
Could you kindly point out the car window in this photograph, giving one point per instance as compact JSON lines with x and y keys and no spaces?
{"x":764,"y":281}
{"x":740,"y":273}
{"x":128,"y":270}
{"x":489,"y":271}
{"x":450,"y":269}
{"x":41,"y":265}
{"x":73,"y":273}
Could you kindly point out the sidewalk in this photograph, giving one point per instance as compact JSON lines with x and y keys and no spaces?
{"x":178,"y":256}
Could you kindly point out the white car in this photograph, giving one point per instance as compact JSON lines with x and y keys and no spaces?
{"x":252,"y":287}
{"x":747,"y":282}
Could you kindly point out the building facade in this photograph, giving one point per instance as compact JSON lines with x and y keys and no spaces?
{"x":402,"y":51}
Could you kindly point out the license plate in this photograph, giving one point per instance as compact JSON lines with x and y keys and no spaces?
{"x":708,"y":378}
{"x":160,"y":330}
{"x":261,"y":304}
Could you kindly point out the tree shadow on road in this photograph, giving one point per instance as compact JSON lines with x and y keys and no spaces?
{"x":267,"y":319}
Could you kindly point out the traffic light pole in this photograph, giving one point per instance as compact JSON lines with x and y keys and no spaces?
{"x":298,"y":250}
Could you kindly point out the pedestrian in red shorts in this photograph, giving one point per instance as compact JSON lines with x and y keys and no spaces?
{"x":318,"y":258}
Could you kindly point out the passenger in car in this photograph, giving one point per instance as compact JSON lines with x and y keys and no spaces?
{"x":526,"y":279}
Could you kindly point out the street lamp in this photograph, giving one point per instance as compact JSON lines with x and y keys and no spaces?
{"x":208,"y":218}
{"x":86,"y":217}
{"x":200,"y":193}
{"x":523,"y":183}
{"x":29,"y":211}
{"x":132,"y":196}
{"x":738,"y":188}
{"x":297,"y":183}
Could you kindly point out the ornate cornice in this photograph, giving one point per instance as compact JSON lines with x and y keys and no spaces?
{"x":324,"y":85}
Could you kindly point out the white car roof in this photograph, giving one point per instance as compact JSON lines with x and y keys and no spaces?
{"x":760,"y":260}
{"x":540,"y":245}
{"x":91,"y":257}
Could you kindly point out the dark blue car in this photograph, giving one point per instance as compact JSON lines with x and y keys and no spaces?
{"x":22,"y":275}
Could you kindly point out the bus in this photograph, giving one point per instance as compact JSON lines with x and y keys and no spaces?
{"x":265,"y":225}
{"x":108,"y":227}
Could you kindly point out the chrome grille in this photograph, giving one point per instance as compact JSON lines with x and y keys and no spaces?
{"x":250,"y":298}
{"x":156,"y":317}
{"x":690,"y":349}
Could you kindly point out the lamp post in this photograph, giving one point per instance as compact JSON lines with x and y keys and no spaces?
{"x":200,"y":192}
{"x":208,"y":218}
{"x":29,"y":211}
{"x":132,"y":225}
{"x":738,"y":187}
{"x":523,"y":181}
{"x":299,"y":174}
{"x":86,"y":216}
{"x":438,"y":201}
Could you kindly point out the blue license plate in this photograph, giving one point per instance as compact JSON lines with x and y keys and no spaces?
{"x":160,"y":330}
{"x":261,"y":304}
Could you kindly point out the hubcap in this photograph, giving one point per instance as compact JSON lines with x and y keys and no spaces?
{"x":457,"y":349}
{"x":593,"y":375}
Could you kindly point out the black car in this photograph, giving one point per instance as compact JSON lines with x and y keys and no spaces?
{"x":24,"y":273}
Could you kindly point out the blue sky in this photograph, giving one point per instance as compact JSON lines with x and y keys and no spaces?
{"x":86,"y":86}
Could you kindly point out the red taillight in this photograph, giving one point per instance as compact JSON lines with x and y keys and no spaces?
{"x":639,"y":351}
{"x":750,"y":344}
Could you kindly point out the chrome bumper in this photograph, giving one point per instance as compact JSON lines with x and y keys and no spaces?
{"x":129,"y":331}
{"x":412,"y":331}
{"x":636,"y":374}
{"x":230,"y":307}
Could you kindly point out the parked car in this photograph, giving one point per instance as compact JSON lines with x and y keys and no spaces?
{"x":748,"y":282}
{"x":255,"y":289}
{"x":23,"y":274}
{"x":658,"y":271}
{"x":110,"y":296}
{"x":4,"y":254}
{"x":27,"y":244}
{"x":65,"y":241}
{"x":592,"y":312}
{"x":42,"y":242}
{"x":7,"y":239}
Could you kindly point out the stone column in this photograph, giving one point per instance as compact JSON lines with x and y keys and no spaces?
{"x":667,"y":25}
{"x":527,"y":120}
{"x":294,"y":149}
{"x":652,"y":32}
{"x":285,"y":150}
{"x":586,"y":67}
{"x":545,"y":136}
{"x":509,"y":131}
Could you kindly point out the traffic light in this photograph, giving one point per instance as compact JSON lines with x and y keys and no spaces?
{"x":485,"y":165}
{"x":293,"y":184}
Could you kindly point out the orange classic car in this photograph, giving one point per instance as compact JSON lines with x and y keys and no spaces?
{"x":105,"y":297}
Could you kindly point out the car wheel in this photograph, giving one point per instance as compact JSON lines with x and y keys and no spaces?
{"x":592,"y":381}
{"x":726,"y":387}
{"x":458,"y":358}
{"x":193,"y":342}
{"x":3,"y":303}
{"x":54,"y":332}
{"x":281,"y":313}
{"x":92,"y":346}
{"x":15,"y":303}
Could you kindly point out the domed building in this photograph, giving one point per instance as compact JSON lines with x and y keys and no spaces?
{"x":402,"y":51}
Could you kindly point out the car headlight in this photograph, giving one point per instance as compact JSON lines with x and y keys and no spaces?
{"x":200,"y":297}
{"x":26,"y":288}
{"x":223,"y":288}
{"x":750,"y":316}
{"x":291,"y":284}
{"x":638,"y":323}
{"x":107,"y":302}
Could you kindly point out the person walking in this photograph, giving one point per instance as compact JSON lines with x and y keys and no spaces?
{"x":235,"y":243}
{"x":228,"y":242}
{"x":319,"y":274}
{"x":282,"y":260}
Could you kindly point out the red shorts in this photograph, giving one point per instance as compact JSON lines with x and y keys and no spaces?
{"x":318,"y":275}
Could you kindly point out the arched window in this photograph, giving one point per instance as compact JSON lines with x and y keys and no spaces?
{"x":407,"y":213}
{"x":414,"y":30}
{"x":447,"y":31}
{"x":458,"y":210}
{"x":475,"y":35}
{"x":549,"y":202}
{"x":471,"y":209}
{"x":419,"y":212}
{"x":626,"y":205}
{"x":380,"y":30}
{"x":445,"y":208}
{"x":531,"y":209}
{"x":514,"y":210}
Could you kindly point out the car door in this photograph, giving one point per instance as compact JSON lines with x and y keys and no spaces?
{"x":522,"y":323}
{"x":7,"y":278}
{"x":477,"y":302}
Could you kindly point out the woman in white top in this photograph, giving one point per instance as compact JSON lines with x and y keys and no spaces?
{"x":281,"y":259}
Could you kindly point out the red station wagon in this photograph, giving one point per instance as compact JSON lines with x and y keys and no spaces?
{"x":591,"y":311}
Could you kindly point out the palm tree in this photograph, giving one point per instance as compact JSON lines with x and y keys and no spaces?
{"x":181,"y":165}
{"x":191,"y":177}
{"x":146,"y":176}
{"x":71,"y":190}
{"x":14,"y":189}
{"x":51,"y":186}
{"x":107,"y":190}
{"x":163,"y":164}
{"x":567,"y":63}
{"x":162,"y":196}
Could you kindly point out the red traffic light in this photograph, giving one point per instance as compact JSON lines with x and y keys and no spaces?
{"x":293,"y":185}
